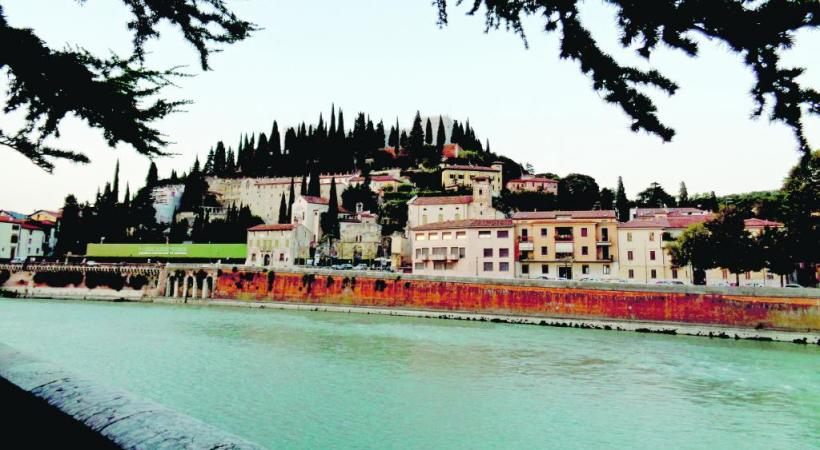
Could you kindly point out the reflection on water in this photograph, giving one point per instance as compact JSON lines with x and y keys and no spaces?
{"x":291,"y":379}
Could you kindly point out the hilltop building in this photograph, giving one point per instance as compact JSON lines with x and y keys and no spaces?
{"x":566,"y":244}
{"x":529,"y":183}
{"x":457,"y":176}
{"x":21,"y":239}
{"x":166,"y":201}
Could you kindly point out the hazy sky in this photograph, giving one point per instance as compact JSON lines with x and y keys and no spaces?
{"x":388,"y":58}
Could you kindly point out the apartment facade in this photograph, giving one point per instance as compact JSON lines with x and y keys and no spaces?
{"x":533,"y":184}
{"x":278,"y":245}
{"x":479,"y":205}
{"x":464,"y":248}
{"x":359,"y":238}
{"x":20,"y":239}
{"x":566,"y":244}
{"x":456,"y":176}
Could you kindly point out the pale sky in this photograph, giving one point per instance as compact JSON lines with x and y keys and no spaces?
{"x":388,"y":58}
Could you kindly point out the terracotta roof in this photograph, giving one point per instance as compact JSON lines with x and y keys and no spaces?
{"x":274,"y":227}
{"x":473,"y":168}
{"x":754,"y":222}
{"x":23,"y":223}
{"x":316,"y":200}
{"x":445,"y":200}
{"x":469,"y":223}
{"x":666,"y":222}
{"x":671,"y":212}
{"x":586,"y":214}
{"x":534,"y":180}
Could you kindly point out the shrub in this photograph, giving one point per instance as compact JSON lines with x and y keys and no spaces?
{"x":112,"y":280}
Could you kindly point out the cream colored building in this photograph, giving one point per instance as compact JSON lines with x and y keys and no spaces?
{"x":529,"y":183}
{"x":455,"y":176}
{"x":644,"y":258}
{"x":464,"y":248}
{"x":378,"y":183}
{"x":278,"y":245}
{"x":20,"y":239}
{"x":359,"y":238}
{"x":479,"y":205}
{"x":567,"y":244}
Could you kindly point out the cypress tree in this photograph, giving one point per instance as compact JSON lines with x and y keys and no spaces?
{"x":340,"y":131}
{"x":683,"y":195}
{"x":209,"y":163}
{"x":416,"y":139}
{"x":403,"y":140}
{"x":330,"y":219}
{"x":379,"y":137}
{"x":441,"y":135}
{"x":230,"y":163}
{"x":303,"y":189}
{"x":115,"y":190}
{"x":275,"y":141}
{"x":151,"y":179}
{"x":283,"y":210}
{"x":393,"y":138}
{"x":621,"y":202}
{"x":261,"y":158}
{"x":428,"y":133}
{"x":314,"y":187}
{"x":220,"y":160}
{"x":331,"y":132}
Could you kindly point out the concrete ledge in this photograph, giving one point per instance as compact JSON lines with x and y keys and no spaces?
{"x":123,"y":419}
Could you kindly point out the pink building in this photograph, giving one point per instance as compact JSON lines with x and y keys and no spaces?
{"x":464,"y":248}
{"x":533,"y":184}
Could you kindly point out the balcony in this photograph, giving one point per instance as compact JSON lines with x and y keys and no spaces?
{"x":526,"y":246}
{"x":563,"y":238}
{"x":438,"y":257}
{"x":603,"y":242}
{"x":524,"y":239}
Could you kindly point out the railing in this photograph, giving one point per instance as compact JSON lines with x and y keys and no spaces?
{"x":563,"y":237}
{"x":438,"y":257}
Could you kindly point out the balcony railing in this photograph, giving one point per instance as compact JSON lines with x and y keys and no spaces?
{"x":563,"y":237}
{"x":438,"y":257}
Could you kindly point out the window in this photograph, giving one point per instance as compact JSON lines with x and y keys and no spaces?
{"x":447,"y":235}
{"x":545,"y":268}
{"x":438,"y":265}
{"x":433,"y":236}
{"x":424,"y":219}
{"x":458,"y":216}
{"x":652,"y":236}
{"x":585,"y":269}
{"x":441,"y":217}
{"x":544,"y":250}
{"x":585,"y":249}
{"x":748,"y":275}
{"x":419,"y":266}
{"x":631,"y":273}
{"x":462,"y":253}
{"x":584,"y":232}
{"x":485,"y":234}
{"x":488,"y":267}
{"x":503,"y":234}
{"x":606,"y":269}
{"x":461,"y":235}
{"x":674,"y":274}
{"x":725,"y":274}
{"x":503,"y":252}
{"x":629,"y":237}
{"x":651,"y":255}
{"x":629,"y":255}
{"x":421,"y":237}
{"x":454,"y":252}
{"x":504,"y":267}
{"x":525,"y":268}
{"x":653,"y":274}
{"x":543,"y":231}
{"x":488,"y":253}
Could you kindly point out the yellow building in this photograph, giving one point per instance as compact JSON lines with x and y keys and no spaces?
{"x":566,"y":244}
{"x":359,"y":238}
{"x":278,"y":245}
{"x":455,"y":176}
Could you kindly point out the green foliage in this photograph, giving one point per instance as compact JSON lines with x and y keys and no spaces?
{"x":58,"y":278}
{"x":694,"y":248}
{"x":621,"y":202}
{"x":509,"y":202}
{"x":746,"y":28}
{"x":4,"y":276}
{"x":802,"y":214}
{"x":763,"y":204}
{"x":329,"y":221}
{"x":113,"y":280}
{"x":119,"y":96}
{"x":655,"y":197}
{"x":577,"y":192}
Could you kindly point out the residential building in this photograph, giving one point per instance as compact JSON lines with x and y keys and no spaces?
{"x":49,"y":222}
{"x":308,"y":210}
{"x":649,"y":213}
{"x":566,"y":244}
{"x":529,"y":183}
{"x":400,"y":251}
{"x":456,"y":176}
{"x":42,"y":215}
{"x":644,"y":258}
{"x":20,"y":239}
{"x":166,"y":201}
{"x":278,"y":245}
{"x":424,"y":210}
{"x":378,"y":183}
{"x":359,"y":238}
{"x":464,"y":248}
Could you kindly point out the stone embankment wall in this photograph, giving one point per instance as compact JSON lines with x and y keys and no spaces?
{"x":57,"y":409}
{"x":73,"y":281}
{"x":764,"y":309}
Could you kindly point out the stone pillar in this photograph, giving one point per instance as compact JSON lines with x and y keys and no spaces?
{"x":205,"y":288}
{"x":185,"y":287}
{"x":193,"y":289}
{"x":168,"y":288}
{"x":176,"y":287}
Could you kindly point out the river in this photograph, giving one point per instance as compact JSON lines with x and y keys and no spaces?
{"x":295,"y":379}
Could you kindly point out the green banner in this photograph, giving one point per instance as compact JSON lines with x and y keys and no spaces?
{"x":193,"y":251}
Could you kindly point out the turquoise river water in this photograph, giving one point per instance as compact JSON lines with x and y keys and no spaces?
{"x":289,"y":379}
